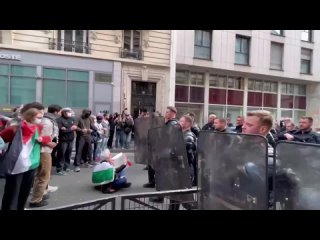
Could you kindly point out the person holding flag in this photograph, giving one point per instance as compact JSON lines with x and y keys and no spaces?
{"x":109,"y":175}
{"x":22,"y":158}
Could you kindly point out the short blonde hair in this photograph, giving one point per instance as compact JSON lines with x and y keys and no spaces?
{"x":265,"y":117}
{"x":188,"y":118}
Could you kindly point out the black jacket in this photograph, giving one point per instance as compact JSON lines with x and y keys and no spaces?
{"x":195,"y":129}
{"x":190,"y":140}
{"x":238,"y":129}
{"x":226,"y":130}
{"x":307,"y":136}
{"x":173,"y":122}
{"x":111,"y":123}
{"x":65,"y":135}
{"x":208,"y":126}
{"x":280,"y":136}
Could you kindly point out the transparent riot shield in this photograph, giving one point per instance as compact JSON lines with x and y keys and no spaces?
{"x":141,"y":128}
{"x":169,"y":160}
{"x":157,"y":122}
{"x":232,"y":171}
{"x":297,"y":178}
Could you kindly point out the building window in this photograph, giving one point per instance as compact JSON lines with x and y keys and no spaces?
{"x":242,"y":50}
{"x":22,"y":84}
{"x":218,"y":81}
{"x":197,"y":94}
{"x":217,"y":96}
{"x":103,"y":78}
{"x":306,"y":35}
{"x":17,"y":84}
{"x":197,"y":79}
{"x":226,"y":96}
{"x":306,"y":55}
{"x":218,"y":110}
{"x":287,"y":89}
{"x":293,"y":101}
{"x":132,"y":40}
{"x":276,"y":56}
{"x":4,"y":84}
{"x":235,"y":83}
{"x":132,"y":45}
{"x":54,"y":86}
{"x":300,"y":90}
{"x":182,"y":77}
{"x":73,"y":41}
{"x":189,"y":87}
{"x":77,"y":88}
{"x":181,"y":93}
{"x":71,"y":87}
{"x":226,"y":90}
{"x":277,"y":32}
{"x":202,"y":44}
{"x":262,"y":94}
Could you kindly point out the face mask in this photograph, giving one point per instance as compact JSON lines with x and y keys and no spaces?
{"x":36,"y":121}
{"x":68,"y":114}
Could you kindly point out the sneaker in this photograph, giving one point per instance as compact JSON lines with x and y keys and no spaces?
{"x":61,"y":173}
{"x":86,"y":165}
{"x":38,"y":204}
{"x":149,"y":185}
{"x":93,"y":163}
{"x":67,"y":170}
{"x":77,"y":169}
{"x":52,"y":189}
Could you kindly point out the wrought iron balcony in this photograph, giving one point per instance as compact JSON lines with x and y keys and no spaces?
{"x":69,"y":46}
{"x":133,"y":54}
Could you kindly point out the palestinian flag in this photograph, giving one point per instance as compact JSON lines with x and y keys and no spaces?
{"x":103,"y":173}
{"x":24,"y":152}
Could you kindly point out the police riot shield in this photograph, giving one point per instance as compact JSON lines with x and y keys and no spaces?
{"x":232,"y":171}
{"x":169,"y":160}
{"x":157,"y":122}
{"x":142,"y":126}
{"x":297,"y":176}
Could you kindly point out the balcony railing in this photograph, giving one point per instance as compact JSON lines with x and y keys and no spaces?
{"x":133,"y":54}
{"x":69,"y":46}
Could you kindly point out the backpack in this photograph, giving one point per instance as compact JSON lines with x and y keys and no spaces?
{"x":54,"y":126}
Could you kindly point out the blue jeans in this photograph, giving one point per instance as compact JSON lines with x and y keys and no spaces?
{"x":119,"y":138}
{"x":126,"y":139}
{"x":120,"y":180}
